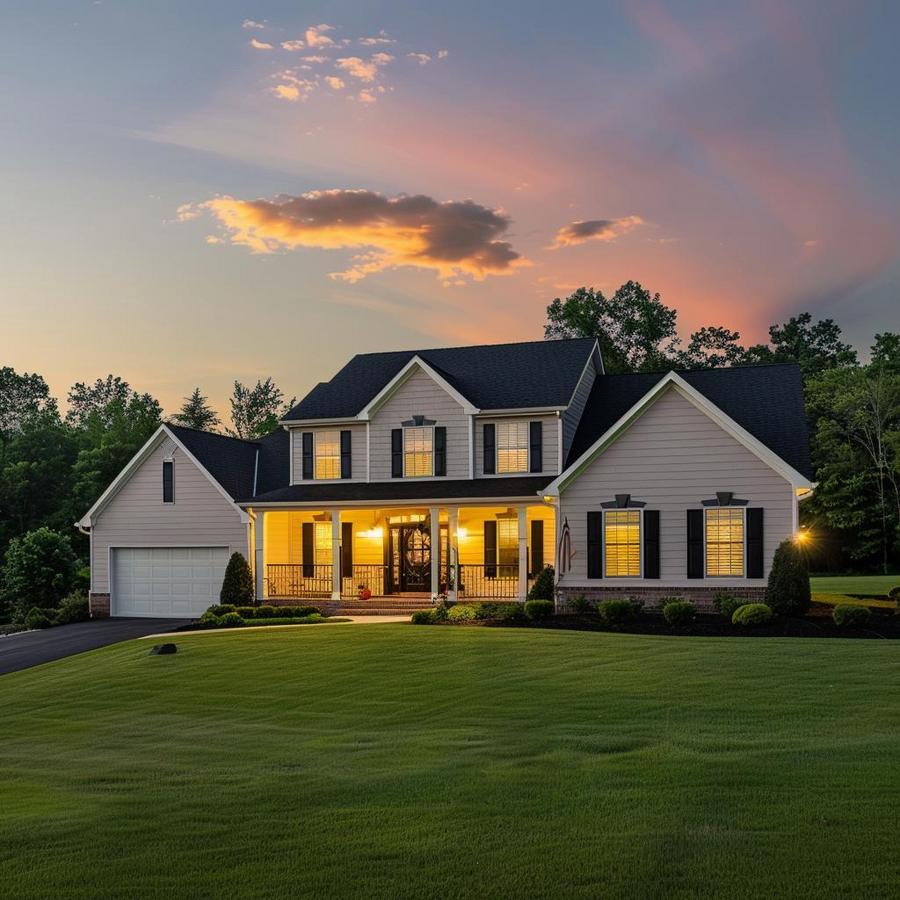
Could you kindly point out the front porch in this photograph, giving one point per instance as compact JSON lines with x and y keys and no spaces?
{"x":347,"y":556}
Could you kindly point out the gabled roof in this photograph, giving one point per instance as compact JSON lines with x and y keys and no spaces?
{"x":526,"y":375}
{"x":764,"y":402}
{"x":229,"y":460}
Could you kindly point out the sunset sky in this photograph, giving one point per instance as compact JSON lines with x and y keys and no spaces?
{"x":201,"y":192}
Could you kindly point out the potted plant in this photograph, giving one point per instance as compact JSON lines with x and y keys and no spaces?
{"x":364,"y":592}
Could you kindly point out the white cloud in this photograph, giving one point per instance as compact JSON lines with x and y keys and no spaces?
{"x":260,"y":45}
{"x":421,"y":58}
{"x":315,"y":36}
{"x":381,"y":58}
{"x":316,"y":59}
{"x":381,"y":38}
{"x":292,"y":46}
{"x":250,"y":23}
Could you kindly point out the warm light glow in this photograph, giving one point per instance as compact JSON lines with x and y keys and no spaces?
{"x":376,"y":532}
{"x":801,"y":537}
{"x":725,"y":541}
{"x":462,"y":533}
{"x":623,"y":543}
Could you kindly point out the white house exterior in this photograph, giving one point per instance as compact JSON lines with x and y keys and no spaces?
{"x":463,"y":472}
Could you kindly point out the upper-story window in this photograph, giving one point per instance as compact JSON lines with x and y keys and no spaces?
{"x":168,"y":481}
{"x":418,"y":451}
{"x":328,"y":454}
{"x":622,"y":543}
{"x":512,"y":447}
{"x":724,"y":533}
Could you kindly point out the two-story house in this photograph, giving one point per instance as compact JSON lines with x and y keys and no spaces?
{"x":464,"y":471}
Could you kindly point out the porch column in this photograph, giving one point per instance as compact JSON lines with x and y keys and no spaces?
{"x":453,"y":547}
{"x":434,"y":515}
{"x":259,"y":532}
{"x":523,"y":553}
{"x":336,"y":555}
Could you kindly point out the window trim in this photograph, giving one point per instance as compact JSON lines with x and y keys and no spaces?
{"x":407,"y":428}
{"x":743,"y":511}
{"x":168,"y":461}
{"x":497,"y":425}
{"x":316,"y":435}
{"x":640,"y":512}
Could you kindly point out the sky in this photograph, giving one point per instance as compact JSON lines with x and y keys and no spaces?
{"x":201,"y":192}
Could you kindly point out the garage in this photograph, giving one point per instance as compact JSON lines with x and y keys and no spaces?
{"x":166,"y":581}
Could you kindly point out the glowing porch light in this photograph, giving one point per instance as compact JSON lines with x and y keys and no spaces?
{"x":802,"y":536}
{"x":376,"y":532}
{"x":462,"y":533}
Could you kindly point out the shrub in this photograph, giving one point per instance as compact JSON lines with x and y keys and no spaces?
{"x":231,"y":620}
{"x":297,"y":611}
{"x":726,"y":604}
{"x":38,"y":571}
{"x":267,"y":612}
{"x":894,"y":593}
{"x":752,"y":614}
{"x":423,"y":617}
{"x":462,"y":612}
{"x":679,"y":612}
{"x":580,"y":604}
{"x":441,"y":612}
{"x":219,"y":609}
{"x":237,"y":586}
{"x":615,"y":612}
{"x":851,"y":615}
{"x":539,"y":609}
{"x":543,"y":587}
{"x":486,"y":611}
{"x":210,"y":619}
{"x":73,"y":608}
{"x":246,"y":612}
{"x":788,"y":591}
{"x":37,"y":618}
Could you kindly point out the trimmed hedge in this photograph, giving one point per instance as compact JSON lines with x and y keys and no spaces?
{"x":616,"y":612}
{"x":462,"y":612}
{"x":851,"y":615}
{"x":539,"y":609}
{"x":423,"y":617}
{"x":753,"y":614}
{"x":679,"y":612}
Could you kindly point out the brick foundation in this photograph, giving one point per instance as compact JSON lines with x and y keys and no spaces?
{"x":702,"y":596}
{"x":99,"y":604}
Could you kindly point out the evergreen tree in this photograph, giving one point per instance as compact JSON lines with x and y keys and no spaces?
{"x":237,"y":586}
{"x":788,"y":591}
{"x":196,"y":413}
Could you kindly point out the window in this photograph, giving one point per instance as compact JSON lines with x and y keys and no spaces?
{"x":328,"y":454}
{"x":323,"y":543}
{"x":168,"y":474}
{"x":418,"y":455}
{"x":622,"y":542}
{"x":512,"y":447}
{"x":725,"y":541}
{"x":507,"y":545}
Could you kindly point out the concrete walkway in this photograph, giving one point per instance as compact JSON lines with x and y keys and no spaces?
{"x":348,"y":620}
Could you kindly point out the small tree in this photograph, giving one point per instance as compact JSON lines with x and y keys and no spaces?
{"x":788,"y":589}
{"x":196,"y":413}
{"x":237,"y":586}
{"x":543,"y":587}
{"x":39,"y":569}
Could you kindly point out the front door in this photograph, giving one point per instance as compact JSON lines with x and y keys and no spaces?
{"x":411,"y":558}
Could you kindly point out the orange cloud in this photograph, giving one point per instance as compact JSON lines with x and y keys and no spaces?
{"x":452,"y":238}
{"x":260,"y":45}
{"x":594,"y":230}
{"x":316,"y":38}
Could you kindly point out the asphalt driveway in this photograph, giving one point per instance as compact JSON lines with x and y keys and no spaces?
{"x":22,"y":651}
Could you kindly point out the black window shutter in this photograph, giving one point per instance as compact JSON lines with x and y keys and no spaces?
{"x":490,"y":548}
{"x":490,"y":449}
{"x":651,"y":543}
{"x":346,"y":470}
{"x":346,"y":549}
{"x":536,"y":445}
{"x":754,"y":542}
{"x":308,"y":550}
{"x":388,"y":575}
{"x":440,"y":450}
{"x":307,"y":471}
{"x":595,"y":544}
{"x":396,"y":453}
{"x":537,"y":546}
{"x":168,"y":478}
{"x":695,"y":543}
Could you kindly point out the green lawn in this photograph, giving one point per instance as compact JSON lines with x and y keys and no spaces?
{"x":396,"y":761}
{"x":872,"y":585}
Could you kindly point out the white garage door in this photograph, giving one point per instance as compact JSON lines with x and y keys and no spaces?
{"x":166,"y":581}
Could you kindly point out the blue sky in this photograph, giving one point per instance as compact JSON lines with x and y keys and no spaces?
{"x":739,"y":158}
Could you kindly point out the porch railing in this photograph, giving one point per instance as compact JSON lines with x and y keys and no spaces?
{"x":489,"y":582}
{"x":315,"y":581}
{"x":369,"y":575}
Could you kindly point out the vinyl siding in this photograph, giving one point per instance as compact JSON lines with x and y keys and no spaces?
{"x":572,"y":416}
{"x":673,"y":457}
{"x":550,"y":441}
{"x":136,"y":515}
{"x":420,"y":395}
{"x":357,"y":450}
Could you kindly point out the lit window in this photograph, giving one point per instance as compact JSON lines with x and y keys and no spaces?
{"x":418,"y":457}
{"x":512,"y":446}
{"x":622,"y":540}
{"x":725,"y":541}
{"x":507,"y":544}
{"x":328,"y":454}
{"x":323,"y":543}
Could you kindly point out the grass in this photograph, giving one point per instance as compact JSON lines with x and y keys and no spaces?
{"x":394,"y":761}
{"x":867,"y":585}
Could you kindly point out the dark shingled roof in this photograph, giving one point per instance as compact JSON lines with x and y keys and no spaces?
{"x":406,"y":489}
{"x":766,"y":400}
{"x":495,"y":376}
{"x":230,"y":461}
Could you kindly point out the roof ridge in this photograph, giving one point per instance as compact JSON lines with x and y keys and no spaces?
{"x":216,"y":434}
{"x":415,"y":351}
